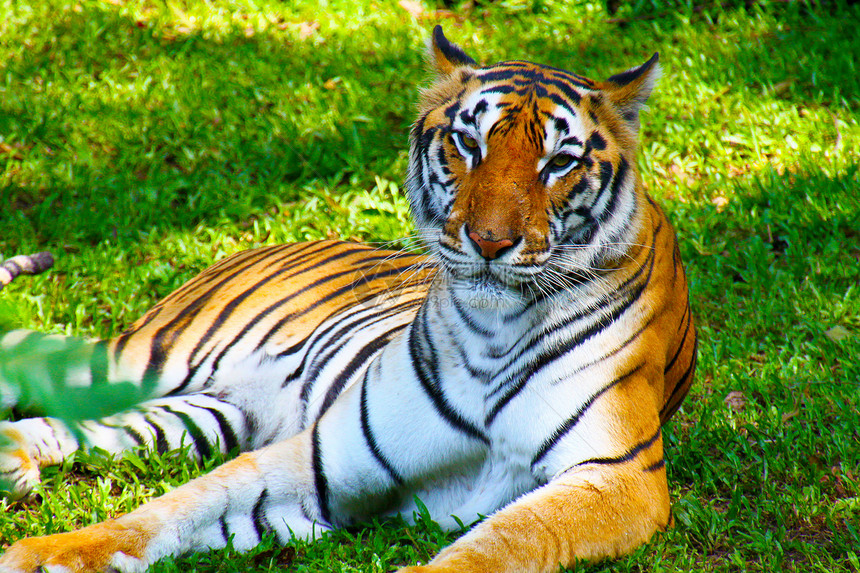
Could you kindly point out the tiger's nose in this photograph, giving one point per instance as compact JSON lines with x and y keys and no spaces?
{"x":490,"y":249}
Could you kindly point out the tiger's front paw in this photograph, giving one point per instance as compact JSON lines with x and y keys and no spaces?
{"x":430,"y":568}
{"x":19,"y":472}
{"x":102,"y":547}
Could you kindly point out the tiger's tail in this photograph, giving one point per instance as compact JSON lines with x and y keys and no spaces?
{"x":33,"y":264}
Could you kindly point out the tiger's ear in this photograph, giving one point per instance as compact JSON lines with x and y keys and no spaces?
{"x":629,"y":90}
{"x":444,"y":56}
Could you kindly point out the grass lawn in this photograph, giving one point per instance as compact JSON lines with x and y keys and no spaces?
{"x":141,"y":141}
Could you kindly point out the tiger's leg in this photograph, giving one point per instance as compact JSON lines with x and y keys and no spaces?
{"x":597,"y":507}
{"x":269,"y":490}
{"x":591,"y":512}
{"x":199,"y":420}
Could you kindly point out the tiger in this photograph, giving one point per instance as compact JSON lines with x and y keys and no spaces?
{"x":516,"y":376}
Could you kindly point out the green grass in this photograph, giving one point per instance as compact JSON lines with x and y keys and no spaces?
{"x":142,"y":141}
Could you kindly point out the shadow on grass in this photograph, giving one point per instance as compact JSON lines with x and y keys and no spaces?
{"x":126,"y":124}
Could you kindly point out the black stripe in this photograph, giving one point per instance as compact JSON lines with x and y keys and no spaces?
{"x":568,"y":424}
{"x":575,"y":190}
{"x":258,"y":515}
{"x":676,"y":262}
{"x":542,"y":360}
{"x":188,"y":289}
{"x":523,"y":71}
{"x":335,"y":343}
{"x":348,"y":329}
{"x":295,"y":347}
{"x":192,"y":372}
{"x":626,"y":456}
{"x":442,"y":159}
{"x":134,"y":435}
{"x":320,"y":480}
{"x":431,"y":386}
{"x":606,"y":173}
{"x":126,"y":335}
{"x":13,"y":268}
{"x":596,"y":141}
{"x":683,"y":339}
{"x":536,"y":127}
{"x":572,"y":140}
{"x":567,"y":76}
{"x":477,"y":373}
{"x":360,"y":359}
{"x":200,"y":443}
{"x":231,"y":442}
{"x":417,"y":130}
{"x":620,"y":178}
{"x":371,"y":440}
{"x":658,"y":465}
{"x":681,"y":387}
{"x":452,"y":110}
{"x":499,"y":89}
{"x":566,"y":89}
{"x":617,"y":349}
{"x":225,"y":532}
{"x":604,"y":303}
{"x":322,"y":301}
{"x":502,"y":75}
{"x":160,"y":439}
{"x":468,"y":321}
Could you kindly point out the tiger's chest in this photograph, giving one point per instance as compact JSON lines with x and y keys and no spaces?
{"x":486,"y":423}
{"x":472,"y":478}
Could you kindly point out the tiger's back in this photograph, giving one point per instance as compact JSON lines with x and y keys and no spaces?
{"x":266,"y":303}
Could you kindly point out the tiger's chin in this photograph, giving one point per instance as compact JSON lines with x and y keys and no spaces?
{"x":487,"y":292}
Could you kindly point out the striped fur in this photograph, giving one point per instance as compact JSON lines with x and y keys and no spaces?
{"x":24,"y":265}
{"x":522,"y":370}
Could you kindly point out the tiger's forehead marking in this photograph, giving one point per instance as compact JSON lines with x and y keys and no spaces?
{"x":480,"y":111}
{"x":564,"y":130}
{"x":544,"y":82}
{"x":517,"y":92}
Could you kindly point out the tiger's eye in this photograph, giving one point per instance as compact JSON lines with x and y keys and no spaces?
{"x":561,"y":160}
{"x":469,"y":141}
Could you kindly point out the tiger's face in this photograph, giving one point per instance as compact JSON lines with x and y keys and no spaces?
{"x":522,"y":177}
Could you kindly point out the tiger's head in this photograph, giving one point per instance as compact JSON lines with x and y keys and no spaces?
{"x":522,"y":177}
